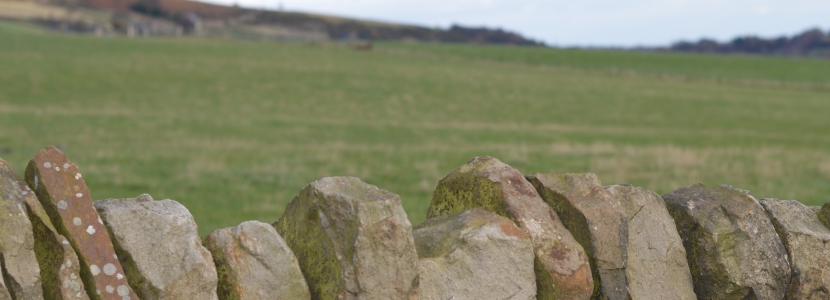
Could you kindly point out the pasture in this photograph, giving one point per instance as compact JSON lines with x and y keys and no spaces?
{"x":233,"y":130}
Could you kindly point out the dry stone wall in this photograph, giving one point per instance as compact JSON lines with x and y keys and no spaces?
{"x":492,"y":234}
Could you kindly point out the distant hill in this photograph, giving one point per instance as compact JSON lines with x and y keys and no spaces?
{"x":181,"y":17}
{"x":813,"y":42}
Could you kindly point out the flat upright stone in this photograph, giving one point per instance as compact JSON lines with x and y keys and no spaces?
{"x":657,"y":267}
{"x":808,"y":247}
{"x":160,"y":248}
{"x":254,"y":262}
{"x":596,"y":220}
{"x":562,"y":268}
{"x":20,"y":269}
{"x":59,"y":266}
{"x":475,"y":254}
{"x":731,"y":245}
{"x":352,"y":239}
{"x":61,"y":190}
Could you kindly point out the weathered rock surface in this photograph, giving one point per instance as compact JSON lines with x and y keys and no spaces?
{"x":4,"y":290}
{"x":808,"y":247}
{"x":562,"y":268}
{"x":475,"y":254}
{"x":20,"y":269}
{"x":596,"y":220}
{"x":61,"y":190}
{"x":59,"y":266}
{"x":657,"y":267}
{"x":731,"y":245}
{"x":160,"y":248}
{"x":353,"y":240}
{"x":254,"y":262}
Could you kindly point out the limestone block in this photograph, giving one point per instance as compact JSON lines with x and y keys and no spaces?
{"x":353,"y":240}
{"x":657,"y":267}
{"x":61,"y":190}
{"x":807,"y":241}
{"x":160,"y":248}
{"x":475,"y":254}
{"x":254,"y":262}
{"x":562,"y":268}
{"x":59,"y":266}
{"x":598,"y":223}
{"x":20,"y":268}
{"x":731,"y":245}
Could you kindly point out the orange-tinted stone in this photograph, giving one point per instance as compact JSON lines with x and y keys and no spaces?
{"x":62,"y":191}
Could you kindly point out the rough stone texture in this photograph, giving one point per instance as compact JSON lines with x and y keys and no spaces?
{"x":160,"y":248}
{"x":596,"y":220}
{"x":59,"y":267}
{"x":561,"y":265}
{"x":731,"y":246}
{"x":4,"y":290}
{"x":657,"y":267}
{"x":21,"y":272}
{"x":254,"y":262}
{"x":475,"y":254}
{"x":61,"y":190}
{"x":353,"y":240}
{"x":808,"y":247}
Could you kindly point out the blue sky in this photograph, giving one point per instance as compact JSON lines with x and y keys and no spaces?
{"x":587,"y":22}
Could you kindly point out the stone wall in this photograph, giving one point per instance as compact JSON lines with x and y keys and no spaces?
{"x":493,"y":233}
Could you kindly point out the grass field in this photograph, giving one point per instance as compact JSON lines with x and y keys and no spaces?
{"x":233,"y":130}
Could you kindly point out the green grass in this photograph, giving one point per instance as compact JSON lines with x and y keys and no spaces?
{"x":233,"y":130}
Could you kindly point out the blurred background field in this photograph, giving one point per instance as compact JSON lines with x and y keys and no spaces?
{"x":233,"y":130}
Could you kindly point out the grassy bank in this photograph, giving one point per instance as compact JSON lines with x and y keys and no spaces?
{"x":233,"y":130}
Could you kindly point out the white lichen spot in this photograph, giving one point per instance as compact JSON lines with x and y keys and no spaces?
{"x":95,"y":270}
{"x":47,"y":165}
{"x":595,"y":228}
{"x":79,"y":195}
{"x":75,"y":285}
{"x":110,"y":289}
{"x":72,"y":276}
{"x":123,"y":290}
{"x":115,"y":256}
{"x":65,"y":242}
{"x":126,"y":298}
{"x":76,"y":221}
{"x":66,"y":166}
{"x":57,"y":169}
{"x":90,"y":230}
{"x":78,"y":295}
{"x":62,"y":204}
{"x":97,"y":292}
{"x":99,"y":220}
{"x":35,"y":181}
{"x":68,"y":263}
{"x":119,"y":276}
{"x":109,"y":269}
{"x":78,"y":176}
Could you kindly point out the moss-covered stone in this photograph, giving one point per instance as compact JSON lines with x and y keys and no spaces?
{"x":254,"y":262}
{"x":598,"y":223}
{"x":59,"y":267}
{"x":459,"y":253}
{"x":21,"y":271}
{"x":731,"y":245}
{"x":352,"y":240}
{"x":61,"y":190}
{"x":561,"y":265}
{"x":808,"y":247}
